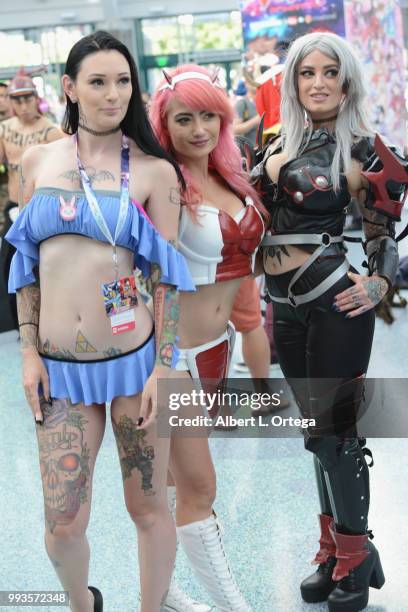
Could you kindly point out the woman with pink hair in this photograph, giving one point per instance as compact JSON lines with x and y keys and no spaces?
{"x":220,"y":229}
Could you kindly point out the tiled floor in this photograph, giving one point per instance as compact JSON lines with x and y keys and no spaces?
{"x":266,"y":499}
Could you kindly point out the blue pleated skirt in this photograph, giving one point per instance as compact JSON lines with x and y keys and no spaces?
{"x":98,"y":382}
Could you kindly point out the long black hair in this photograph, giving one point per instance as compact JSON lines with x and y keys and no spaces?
{"x":135,"y":124}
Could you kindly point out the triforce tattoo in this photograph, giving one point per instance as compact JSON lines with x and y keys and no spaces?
{"x":83,"y":345}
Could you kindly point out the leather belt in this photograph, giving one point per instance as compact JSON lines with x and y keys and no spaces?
{"x":323,"y":241}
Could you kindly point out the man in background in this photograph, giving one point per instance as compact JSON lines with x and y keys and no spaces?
{"x":5,"y":109}
{"x":247,"y":118}
{"x":27,"y":127}
{"x":5,"y":113}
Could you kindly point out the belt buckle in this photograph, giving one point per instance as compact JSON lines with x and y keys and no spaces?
{"x":292,"y":300}
{"x":326,"y":239}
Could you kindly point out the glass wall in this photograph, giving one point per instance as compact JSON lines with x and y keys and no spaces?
{"x":210,"y":38}
{"x":38,"y":46}
{"x":189,"y":33}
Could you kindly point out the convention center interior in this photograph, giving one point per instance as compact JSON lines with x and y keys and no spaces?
{"x":204,"y":305}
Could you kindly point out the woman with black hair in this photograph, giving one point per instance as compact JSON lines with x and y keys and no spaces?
{"x":93,"y":207}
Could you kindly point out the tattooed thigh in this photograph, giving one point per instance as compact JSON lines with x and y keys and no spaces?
{"x":135,"y":452}
{"x":64,"y":461}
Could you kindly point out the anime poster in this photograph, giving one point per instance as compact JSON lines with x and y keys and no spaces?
{"x":266,"y":22}
{"x":375,"y":29}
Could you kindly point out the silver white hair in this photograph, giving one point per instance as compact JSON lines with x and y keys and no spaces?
{"x":352,"y":122}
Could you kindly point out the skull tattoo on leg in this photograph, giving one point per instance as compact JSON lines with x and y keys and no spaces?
{"x":64,"y":461}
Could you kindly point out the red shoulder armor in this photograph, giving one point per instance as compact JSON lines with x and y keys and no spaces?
{"x":388,"y":178}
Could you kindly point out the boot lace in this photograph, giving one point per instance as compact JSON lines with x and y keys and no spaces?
{"x":212,"y":540}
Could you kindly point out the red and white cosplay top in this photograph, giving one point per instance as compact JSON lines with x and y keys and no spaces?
{"x":217,"y":246}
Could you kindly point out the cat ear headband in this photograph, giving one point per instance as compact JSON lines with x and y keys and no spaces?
{"x":172,"y":81}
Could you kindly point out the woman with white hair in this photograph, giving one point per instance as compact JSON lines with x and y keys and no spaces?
{"x":323,"y":309}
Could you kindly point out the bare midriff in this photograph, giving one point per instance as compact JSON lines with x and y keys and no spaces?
{"x":73,"y":321}
{"x":295,"y":258}
{"x":204,"y":314}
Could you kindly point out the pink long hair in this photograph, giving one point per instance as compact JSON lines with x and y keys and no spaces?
{"x":225,"y":159}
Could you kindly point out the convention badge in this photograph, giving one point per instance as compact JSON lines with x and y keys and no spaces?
{"x":128,"y":292}
{"x":123,"y":322}
{"x":120,"y":299}
{"x":67,"y":209}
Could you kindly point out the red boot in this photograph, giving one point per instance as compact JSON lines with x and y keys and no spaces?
{"x":319,"y":585}
{"x":358,"y":567}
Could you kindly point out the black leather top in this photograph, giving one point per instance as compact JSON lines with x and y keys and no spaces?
{"x":304,"y":200}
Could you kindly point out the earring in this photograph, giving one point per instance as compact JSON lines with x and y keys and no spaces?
{"x":306,"y":117}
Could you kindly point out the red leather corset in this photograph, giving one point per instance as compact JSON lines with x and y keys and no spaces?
{"x":241,"y":239}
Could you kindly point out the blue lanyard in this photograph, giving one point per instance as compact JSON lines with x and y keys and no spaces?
{"x":124,"y":197}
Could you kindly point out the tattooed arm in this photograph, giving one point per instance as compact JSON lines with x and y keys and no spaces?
{"x":381,"y":250}
{"x":164,"y":210}
{"x":28,"y":297}
{"x":166,"y":313}
{"x":28,"y":307}
{"x":380,"y":245}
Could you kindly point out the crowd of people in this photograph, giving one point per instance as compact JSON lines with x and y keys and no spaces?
{"x":161,"y":186}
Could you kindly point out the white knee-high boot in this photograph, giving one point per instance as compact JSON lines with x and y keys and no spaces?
{"x":202,"y":542}
{"x":177,"y":600}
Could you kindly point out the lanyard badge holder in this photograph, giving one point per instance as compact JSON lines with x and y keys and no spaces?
{"x":119,"y":296}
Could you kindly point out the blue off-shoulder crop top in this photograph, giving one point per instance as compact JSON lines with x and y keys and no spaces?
{"x":41,"y":220}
